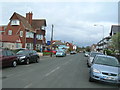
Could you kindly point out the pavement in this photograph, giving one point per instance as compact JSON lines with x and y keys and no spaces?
{"x":52,"y":72}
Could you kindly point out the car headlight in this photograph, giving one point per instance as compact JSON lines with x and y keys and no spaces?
{"x":96,"y":71}
{"x":22,"y":57}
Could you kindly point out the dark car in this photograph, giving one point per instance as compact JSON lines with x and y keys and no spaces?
{"x":105,"y":68}
{"x":27,"y":56}
{"x":7,"y":58}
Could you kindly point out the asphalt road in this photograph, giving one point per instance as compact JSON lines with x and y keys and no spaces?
{"x":52,"y":72}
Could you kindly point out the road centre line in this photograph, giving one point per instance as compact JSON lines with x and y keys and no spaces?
{"x":52,"y":71}
{"x":66,"y":62}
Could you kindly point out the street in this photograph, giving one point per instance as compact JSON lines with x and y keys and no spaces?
{"x":52,"y":72}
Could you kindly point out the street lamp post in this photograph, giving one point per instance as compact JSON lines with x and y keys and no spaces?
{"x":51,"y":39}
{"x":103,"y":34}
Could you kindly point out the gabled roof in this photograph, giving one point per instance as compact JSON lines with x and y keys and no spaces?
{"x":36,"y":23}
{"x":10,"y":38}
{"x":24,"y":21}
{"x":58,"y":43}
{"x":115,"y":29}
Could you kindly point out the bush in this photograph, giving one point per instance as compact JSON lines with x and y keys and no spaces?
{"x":47,"y":53}
{"x":38,"y":50}
{"x":109,"y":52}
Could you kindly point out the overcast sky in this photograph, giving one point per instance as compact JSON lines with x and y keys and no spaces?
{"x":73,"y":21}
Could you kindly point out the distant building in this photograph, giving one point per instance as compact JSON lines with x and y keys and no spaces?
{"x":70,"y":45}
{"x":2,"y":30}
{"x":93,"y":47}
{"x":103,"y":44}
{"x":114,"y":29}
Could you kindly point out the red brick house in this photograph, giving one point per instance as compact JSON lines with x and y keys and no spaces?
{"x":70,"y":45}
{"x":24,"y":32}
{"x":2,"y":30}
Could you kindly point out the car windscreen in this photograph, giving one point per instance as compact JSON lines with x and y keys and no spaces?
{"x":87,"y":53}
{"x":59,"y":51}
{"x":22,"y":52}
{"x":17,"y":50}
{"x":106,"y":61}
{"x":94,"y":54}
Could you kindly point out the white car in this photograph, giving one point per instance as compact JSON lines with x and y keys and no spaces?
{"x":87,"y":54}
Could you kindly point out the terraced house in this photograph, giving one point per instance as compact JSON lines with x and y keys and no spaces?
{"x":24,"y":32}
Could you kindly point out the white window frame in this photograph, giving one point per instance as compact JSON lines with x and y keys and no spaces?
{"x":40,"y":37}
{"x":15,"y":22}
{"x":29,"y":34}
{"x":9,"y":32}
{"x":21,"y":33}
{"x":43,"y":27}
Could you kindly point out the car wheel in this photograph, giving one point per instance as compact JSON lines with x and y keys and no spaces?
{"x":88,"y":65}
{"x":14,"y":64}
{"x":27,"y":62}
{"x":91,"y":79}
{"x":37,"y":60}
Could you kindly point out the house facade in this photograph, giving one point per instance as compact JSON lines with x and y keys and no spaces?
{"x":114,"y":29}
{"x":2,"y":29}
{"x":24,"y":32}
{"x":103,"y":44}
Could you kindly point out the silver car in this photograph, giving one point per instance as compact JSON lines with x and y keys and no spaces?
{"x":91,"y":57}
{"x":105,"y":68}
{"x":87,"y":54}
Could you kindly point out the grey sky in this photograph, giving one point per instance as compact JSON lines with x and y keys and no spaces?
{"x":73,"y":21}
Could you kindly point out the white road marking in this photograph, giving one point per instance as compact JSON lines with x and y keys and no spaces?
{"x":66,"y":63}
{"x":27,"y":86}
{"x":52,"y":71}
{"x":10,"y":75}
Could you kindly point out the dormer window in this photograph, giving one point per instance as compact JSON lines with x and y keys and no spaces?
{"x":15,"y":22}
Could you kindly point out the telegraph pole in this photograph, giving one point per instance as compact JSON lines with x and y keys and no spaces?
{"x":51,"y":39}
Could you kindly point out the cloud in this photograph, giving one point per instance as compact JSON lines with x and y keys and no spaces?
{"x":72,"y":21}
{"x":59,"y":1}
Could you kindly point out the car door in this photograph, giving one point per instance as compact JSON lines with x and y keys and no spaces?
{"x":31,"y":55}
{"x":34,"y":55}
{"x":4,"y":59}
{"x":11,"y":57}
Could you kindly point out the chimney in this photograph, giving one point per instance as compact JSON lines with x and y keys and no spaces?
{"x":29,"y":17}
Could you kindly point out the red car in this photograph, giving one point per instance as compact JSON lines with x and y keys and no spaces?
{"x":50,"y":51}
{"x":7,"y":58}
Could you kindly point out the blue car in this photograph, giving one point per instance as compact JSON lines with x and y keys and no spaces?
{"x":105,"y":68}
{"x":60,"y":54}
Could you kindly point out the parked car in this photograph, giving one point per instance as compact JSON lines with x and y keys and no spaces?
{"x":60,"y":53}
{"x":8,"y":58}
{"x":87,"y":54}
{"x":27,"y":56}
{"x":119,"y":74}
{"x":73,"y":52}
{"x":105,"y":68}
{"x":91,"y":57}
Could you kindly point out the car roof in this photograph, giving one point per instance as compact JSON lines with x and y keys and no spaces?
{"x":95,"y":52}
{"x":106,"y":56}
